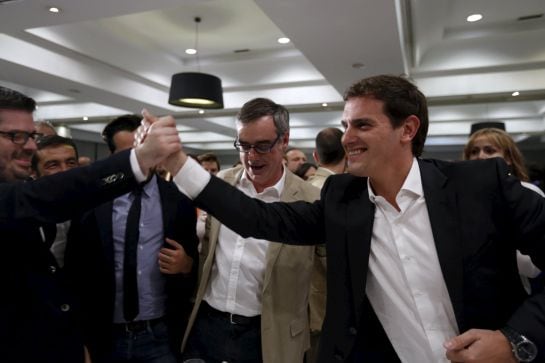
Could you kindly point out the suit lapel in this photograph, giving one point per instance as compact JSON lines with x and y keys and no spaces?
{"x":360,"y":214}
{"x":442,"y":209}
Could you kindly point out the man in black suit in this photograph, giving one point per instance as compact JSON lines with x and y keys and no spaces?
{"x":420,"y":253}
{"x":36,"y":312}
{"x":167,"y":247}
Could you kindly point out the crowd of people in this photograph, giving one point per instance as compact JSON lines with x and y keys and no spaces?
{"x":370,"y":253}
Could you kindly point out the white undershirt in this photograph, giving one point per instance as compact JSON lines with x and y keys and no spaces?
{"x":405,"y":284}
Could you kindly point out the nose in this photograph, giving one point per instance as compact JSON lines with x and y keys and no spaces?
{"x":30,"y":145}
{"x":481,"y":155}
{"x":347,"y":136}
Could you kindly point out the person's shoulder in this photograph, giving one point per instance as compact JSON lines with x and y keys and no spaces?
{"x":234,"y":172}
{"x":309,"y":191}
{"x":464,"y":166}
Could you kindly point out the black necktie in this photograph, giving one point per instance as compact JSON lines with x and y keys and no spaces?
{"x":132,"y":233}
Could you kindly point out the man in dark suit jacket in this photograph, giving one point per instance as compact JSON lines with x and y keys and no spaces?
{"x":421,"y":254}
{"x":36,"y":312}
{"x":94,"y":265}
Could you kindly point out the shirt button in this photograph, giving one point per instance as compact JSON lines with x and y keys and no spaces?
{"x":52,"y":269}
{"x":65,"y":308}
{"x":352,"y":331}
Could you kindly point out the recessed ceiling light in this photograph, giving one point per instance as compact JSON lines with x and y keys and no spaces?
{"x":191,"y":51}
{"x":474,"y":17}
{"x":515,"y":94}
{"x":54,"y":9}
{"x":85,"y":118}
{"x":283,"y":40}
{"x":201,"y":111}
{"x":324,"y":104}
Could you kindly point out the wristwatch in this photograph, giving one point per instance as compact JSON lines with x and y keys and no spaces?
{"x":523,"y":348}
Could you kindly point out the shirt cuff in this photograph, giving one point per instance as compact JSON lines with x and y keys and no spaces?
{"x":191,"y":178}
{"x":138,"y":175}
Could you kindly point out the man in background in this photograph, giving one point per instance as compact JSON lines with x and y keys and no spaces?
{"x":209,"y":162}
{"x":134,"y":271}
{"x":294,"y":158}
{"x":55,"y":154}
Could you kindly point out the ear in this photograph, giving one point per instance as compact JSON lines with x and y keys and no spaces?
{"x":410,"y":128}
{"x":285,"y":139}
{"x":315,"y":157}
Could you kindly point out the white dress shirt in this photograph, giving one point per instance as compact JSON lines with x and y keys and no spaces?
{"x":236,"y":278}
{"x":405,"y":284}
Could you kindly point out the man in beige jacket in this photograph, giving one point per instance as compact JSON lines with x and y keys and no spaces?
{"x":251,"y":305}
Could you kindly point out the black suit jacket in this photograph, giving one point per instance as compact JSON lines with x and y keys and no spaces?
{"x":36,"y":313}
{"x":479,"y":217}
{"x":89,"y":263}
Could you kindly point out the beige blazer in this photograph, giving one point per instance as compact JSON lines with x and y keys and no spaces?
{"x":318,"y":288}
{"x":284,"y":318}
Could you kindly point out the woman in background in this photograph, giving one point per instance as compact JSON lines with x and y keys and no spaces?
{"x":491,"y":143}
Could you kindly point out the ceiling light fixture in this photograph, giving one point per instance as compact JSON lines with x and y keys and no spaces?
{"x":474,"y":17}
{"x":283,"y":40}
{"x":515,"y":94}
{"x":196,"y":89}
{"x":201,"y":112}
{"x":85,"y":118}
{"x":54,"y":10}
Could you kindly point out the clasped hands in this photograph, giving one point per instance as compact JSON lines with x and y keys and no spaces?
{"x":157,"y":143}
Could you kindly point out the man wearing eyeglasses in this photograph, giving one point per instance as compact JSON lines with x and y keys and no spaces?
{"x":37,"y":314}
{"x":252,"y":301}
{"x":17,"y":140}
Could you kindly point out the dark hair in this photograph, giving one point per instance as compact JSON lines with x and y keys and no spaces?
{"x":259,"y":107}
{"x":13,"y":100}
{"x":401,"y":99}
{"x":51,"y":141}
{"x":121,"y":123}
{"x":208,"y":157}
{"x":303,"y":168}
{"x":329,"y":148}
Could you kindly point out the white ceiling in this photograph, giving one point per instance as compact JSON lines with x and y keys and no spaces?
{"x":104,"y":58}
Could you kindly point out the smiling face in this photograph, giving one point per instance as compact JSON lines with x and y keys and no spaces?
{"x":373,"y":147}
{"x":54,"y":159}
{"x":15,"y":160}
{"x":263,"y":169}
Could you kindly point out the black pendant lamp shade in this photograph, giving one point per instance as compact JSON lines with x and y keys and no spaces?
{"x":196,"y":90}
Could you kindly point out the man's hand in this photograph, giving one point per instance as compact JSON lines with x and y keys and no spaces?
{"x":174,"y":261}
{"x":159,"y":141}
{"x":480,"y":346}
{"x":176,"y":160}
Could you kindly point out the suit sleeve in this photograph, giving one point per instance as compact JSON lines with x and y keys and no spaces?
{"x":294,"y":223}
{"x":527,"y":211}
{"x":59,"y":197}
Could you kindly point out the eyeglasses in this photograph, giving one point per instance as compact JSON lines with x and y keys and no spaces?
{"x":261,"y":148}
{"x":21,"y":137}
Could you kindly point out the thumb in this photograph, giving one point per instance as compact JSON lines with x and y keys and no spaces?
{"x":148,"y":116}
{"x":174,"y":244}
